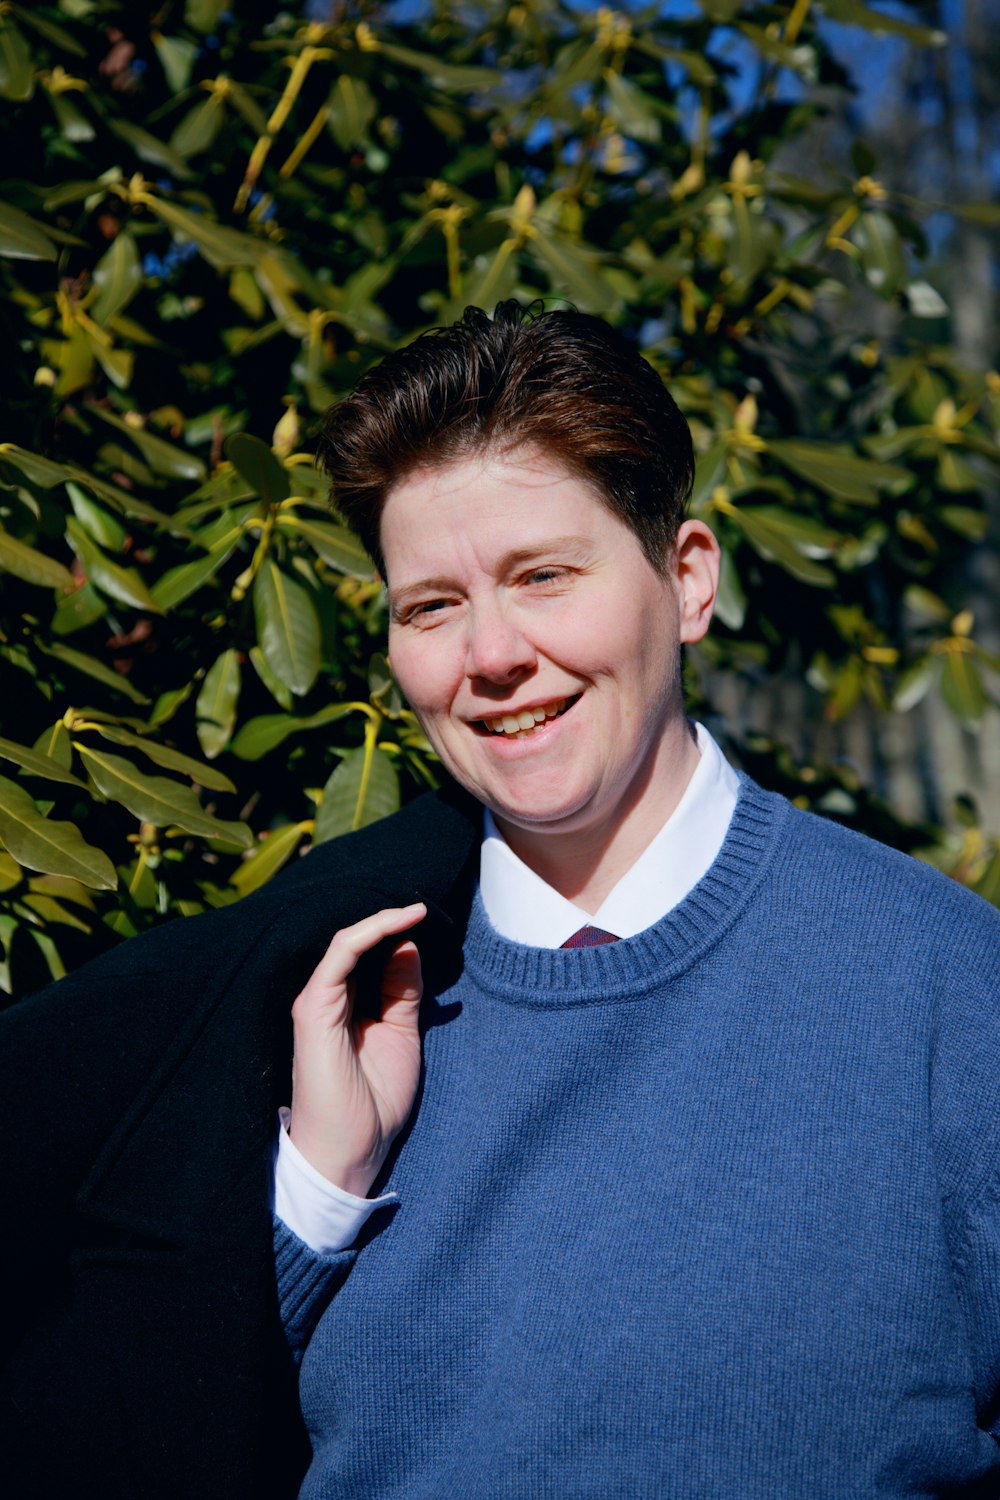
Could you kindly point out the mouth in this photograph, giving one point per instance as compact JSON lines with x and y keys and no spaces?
{"x":522,"y":723}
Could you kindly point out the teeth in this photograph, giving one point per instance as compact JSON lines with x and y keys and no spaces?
{"x":525,"y":720}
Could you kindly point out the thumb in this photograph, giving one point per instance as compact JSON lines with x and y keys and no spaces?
{"x":402,"y":986}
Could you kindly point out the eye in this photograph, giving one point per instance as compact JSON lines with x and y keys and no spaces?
{"x":425,"y":611}
{"x":551,"y":575}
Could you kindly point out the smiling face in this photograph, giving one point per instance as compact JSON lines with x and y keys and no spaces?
{"x":540,"y":649}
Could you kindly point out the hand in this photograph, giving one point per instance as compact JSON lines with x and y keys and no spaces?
{"x":354,"y":1081}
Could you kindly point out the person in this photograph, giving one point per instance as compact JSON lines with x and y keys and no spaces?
{"x":642,"y":1134}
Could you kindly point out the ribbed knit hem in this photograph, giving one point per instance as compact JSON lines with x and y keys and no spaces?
{"x":306,"y":1282}
{"x":629,"y":969}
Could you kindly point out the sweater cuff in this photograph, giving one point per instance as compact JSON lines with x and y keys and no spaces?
{"x":306,"y":1283}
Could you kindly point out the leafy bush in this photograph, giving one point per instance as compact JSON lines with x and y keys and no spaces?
{"x":208,"y":233}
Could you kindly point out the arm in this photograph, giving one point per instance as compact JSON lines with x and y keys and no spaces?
{"x":354,"y":1081}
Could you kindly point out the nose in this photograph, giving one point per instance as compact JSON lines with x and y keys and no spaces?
{"x":498,"y":649}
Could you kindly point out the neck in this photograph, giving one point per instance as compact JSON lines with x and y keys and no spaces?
{"x":586,"y":862}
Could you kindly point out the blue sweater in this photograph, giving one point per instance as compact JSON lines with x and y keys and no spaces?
{"x":710,"y":1212}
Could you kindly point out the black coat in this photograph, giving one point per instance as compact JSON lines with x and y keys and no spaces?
{"x":143,"y":1354}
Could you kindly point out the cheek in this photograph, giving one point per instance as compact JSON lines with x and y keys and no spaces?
{"x":422,"y":669}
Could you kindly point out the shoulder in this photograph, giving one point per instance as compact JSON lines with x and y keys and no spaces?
{"x":827,"y":863}
{"x":925,"y":952}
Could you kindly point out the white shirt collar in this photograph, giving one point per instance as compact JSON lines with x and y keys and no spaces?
{"x":522,"y":907}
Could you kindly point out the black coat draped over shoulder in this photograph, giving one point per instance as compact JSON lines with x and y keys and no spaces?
{"x":143,"y":1357}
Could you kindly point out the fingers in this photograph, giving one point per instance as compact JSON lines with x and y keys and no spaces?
{"x":350,"y":943}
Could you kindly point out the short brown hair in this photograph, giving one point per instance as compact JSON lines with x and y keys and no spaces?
{"x":562,"y":382}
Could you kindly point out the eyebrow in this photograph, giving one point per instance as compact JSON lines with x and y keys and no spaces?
{"x":516,"y":557}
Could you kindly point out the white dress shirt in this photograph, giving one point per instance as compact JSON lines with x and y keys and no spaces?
{"x":522,"y":907}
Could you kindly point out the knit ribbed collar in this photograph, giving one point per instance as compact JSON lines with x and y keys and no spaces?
{"x":628,"y":969}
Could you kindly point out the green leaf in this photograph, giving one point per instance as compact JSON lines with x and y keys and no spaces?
{"x":245,"y":107}
{"x":106,"y":531}
{"x":17,"y":72}
{"x":169,"y":758}
{"x":962,"y":688}
{"x":631,"y":110}
{"x":491,"y":281}
{"x":148,"y":148}
{"x":978,"y":213}
{"x":44,"y":943}
{"x":11,"y":874}
{"x":215,"y":707}
{"x":881,"y":252}
{"x":199,"y":127}
{"x":362,"y":789}
{"x":334,"y":544}
{"x":767,"y":536}
{"x":22,"y":238}
{"x":279,"y":692}
{"x":157,"y":799}
{"x":913,"y":684}
{"x":177,"y":56}
{"x":223,"y":248}
{"x":838,"y":470}
{"x":168,"y":703}
{"x":853,"y":13}
{"x":731,"y":600}
{"x":179,"y":583}
{"x":805,"y":533}
{"x":273,"y":850}
{"x":988,"y":884}
{"x":50,"y":31}
{"x":259,"y":736}
{"x":383,"y":688}
{"x":801,"y":58}
{"x":352,"y":109}
{"x":77,"y":610}
{"x":117,"y":276}
{"x":924,"y":301}
{"x":974,"y":525}
{"x":450,"y":76}
{"x":120,"y":583}
{"x":54,"y":743}
{"x":699,"y":71}
{"x":203,"y":15}
{"x":43,"y":472}
{"x":259,"y":466}
{"x":48,"y":910}
{"x":63,"y":887}
{"x":38,"y":764}
{"x":32,"y":566}
{"x":91,"y":667}
{"x":163,"y":457}
{"x":957,"y":476}
{"x":288,"y":629}
{"x":43,"y":844}
{"x":573,"y":272}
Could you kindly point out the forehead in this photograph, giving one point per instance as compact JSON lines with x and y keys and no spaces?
{"x":471,"y":509}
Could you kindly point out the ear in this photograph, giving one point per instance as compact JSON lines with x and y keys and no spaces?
{"x":696,"y":574}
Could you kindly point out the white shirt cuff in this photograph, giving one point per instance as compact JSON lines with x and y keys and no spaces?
{"x":324,"y":1216}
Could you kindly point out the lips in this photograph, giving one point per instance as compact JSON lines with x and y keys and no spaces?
{"x":523,"y":722}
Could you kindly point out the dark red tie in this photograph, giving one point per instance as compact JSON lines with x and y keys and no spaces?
{"x":589,"y":937}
